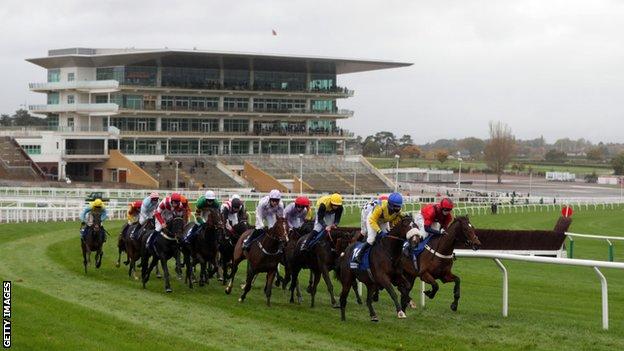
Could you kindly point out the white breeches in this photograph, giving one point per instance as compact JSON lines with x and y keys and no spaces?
{"x":329,"y":220}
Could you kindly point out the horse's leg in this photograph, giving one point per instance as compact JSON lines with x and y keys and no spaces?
{"x":118,"y":257}
{"x":294,"y":277}
{"x":278,"y":277}
{"x":203,"y":275}
{"x":354,"y":286}
{"x":369,"y":303}
{"x":248,"y":282}
{"x":429,"y":279}
{"x":386,"y":283}
{"x":235,"y":263}
{"x":84,"y":257}
{"x":330,"y":286}
{"x":312,"y":289}
{"x":178,"y":265}
{"x":269,"y":285}
{"x":165,"y":269}
{"x":147,"y":268}
{"x":98,"y":257}
{"x":158,"y":275}
{"x":450,"y":277}
{"x":347,"y":280}
{"x":189,"y":271}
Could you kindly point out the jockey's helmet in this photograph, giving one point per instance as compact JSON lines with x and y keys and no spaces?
{"x":395,"y":201}
{"x":446,"y":204}
{"x":154,"y":195}
{"x":275,"y":195}
{"x":335,"y":199}
{"x":236,"y":204}
{"x":383,"y":197}
{"x":210,"y":195}
{"x":137,"y":204}
{"x":176,"y":197}
{"x":98,"y":203}
{"x":302,"y":201}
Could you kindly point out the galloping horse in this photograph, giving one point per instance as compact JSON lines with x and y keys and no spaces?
{"x":436,"y":261}
{"x":93,"y":242}
{"x":294,"y":234}
{"x":203,"y":249}
{"x":133,"y":246}
{"x":321,"y":259}
{"x":384,"y":262}
{"x":165,"y":247}
{"x":227,"y":242}
{"x":263,"y":256}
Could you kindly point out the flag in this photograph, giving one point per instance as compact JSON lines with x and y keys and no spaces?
{"x":274,"y":32}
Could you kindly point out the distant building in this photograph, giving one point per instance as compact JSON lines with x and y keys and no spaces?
{"x":147,"y":102}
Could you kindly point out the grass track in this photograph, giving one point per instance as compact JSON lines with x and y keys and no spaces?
{"x":57,"y":307}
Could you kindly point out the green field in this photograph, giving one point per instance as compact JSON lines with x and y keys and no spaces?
{"x":57,"y":307}
{"x":481,"y":166}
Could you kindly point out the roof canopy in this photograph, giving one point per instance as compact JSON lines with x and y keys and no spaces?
{"x":82,"y":57}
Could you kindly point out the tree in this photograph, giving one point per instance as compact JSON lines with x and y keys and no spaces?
{"x":618,"y":164}
{"x":595,"y":154}
{"x":410,"y":151}
{"x":441,"y":155}
{"x":555,"y":156}
{"x":474,"y":145}
{"x":21,"y":118}
{"x":387,"y":141}
{"x":499,"y":148}
{"x":406,"y":140}
{"x":370,"y":147}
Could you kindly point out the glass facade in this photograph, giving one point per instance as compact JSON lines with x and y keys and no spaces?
{"x":53,"y":98}
{"x":327,"y":147}
{"x":322,"y":82}
{"x":297,"y":147}
{"x":141,"y":124}
{"x":235,"y":104}
{"x":128,"y":75}
{"x":236,"y":125}
{"x":321,"y":126}
{"x":278,"y":127}
{"x":279,"y":105}
{"x":275,"y":147}
{"x":52,"y":121}
{"x":210,"y":147}
{"x":183,"y":146}
{"x":134,"y":102}
{"x":192,"y":125}
{"x":54,"y":75}
{"x":323,"y":105}
{"x":274,"y":80}
{"x":189,"y":103}
{"x":236,"y":79}
{"x":239,"y":147}
{"x":32,"y":149}
{"x":186,"y":77}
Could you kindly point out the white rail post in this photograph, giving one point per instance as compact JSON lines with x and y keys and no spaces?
{"x":505,"y":287}
{"x":605,"y":299}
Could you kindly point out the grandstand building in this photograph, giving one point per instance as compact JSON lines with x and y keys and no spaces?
{"x":155,"y":103}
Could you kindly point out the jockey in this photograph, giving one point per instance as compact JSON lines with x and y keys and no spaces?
{"x":233,"y":211}
{"x":187,"y":208}
{"x":367,"y":208}
{"x":269,"y":208}
{"x":134,"y":209}
{"x":328,"y":213}
{"x":202,"y":206}
{"x":297,"y":212}
{"x":168,"y":208}
{"x":434,"y":218}
{"x":95,"y":208}
{"x":379,"y":220}
{"x":148,"y":207}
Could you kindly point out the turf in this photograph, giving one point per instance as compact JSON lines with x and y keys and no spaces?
{"x":57,"y":307}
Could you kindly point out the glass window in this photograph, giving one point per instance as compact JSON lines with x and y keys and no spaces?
{"x":101,"y":99}
{"x":130,"y":75}
{"x":32,"y":149}
{"x":239,"y":147}
{"x":210,"y":147}
{"x":275,"y":147}
{"x":327,"y":147}
{"x":140,"y":124}
{"x":54,"y":75}
{"x":70,"y":99}
{"x":71,"y":76}
{"x":53,"y":98}
{"x":235,"y":125}
{"x":270,"y":80}
{"x":52,"y":121}
{"x":322,"y":82}
{"x":279,"y":105}
{"x":324,"y":105}
{"x":297,"y":147}
{"x":134,"y":102}
{"x":235,"y":104}
{"x":186,"y":77}
{"x":183,"y":147}
{"x":236,"y":79}
{"x":110,"y":73}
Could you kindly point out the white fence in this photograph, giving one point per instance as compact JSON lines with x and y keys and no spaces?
{"x":497,"y":257}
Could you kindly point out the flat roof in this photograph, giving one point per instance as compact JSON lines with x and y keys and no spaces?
{"x":88,"y":57}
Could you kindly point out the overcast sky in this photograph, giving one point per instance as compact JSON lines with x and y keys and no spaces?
{"x":552,"y":68}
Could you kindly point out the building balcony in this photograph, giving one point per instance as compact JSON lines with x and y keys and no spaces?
{"x":85,"y":109}
{"x":142,"y":108}
{"x":338,"y":134}
{"x":87,"y":86}
{"x":336,"y":92}
{"x":84,"y":155}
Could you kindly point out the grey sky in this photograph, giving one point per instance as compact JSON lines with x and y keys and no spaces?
{"x":544,"y":67}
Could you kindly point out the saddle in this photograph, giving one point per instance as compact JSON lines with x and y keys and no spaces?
{"x":365,"y":260}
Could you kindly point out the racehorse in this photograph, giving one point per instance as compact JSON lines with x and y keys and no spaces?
{"x":321,"y":259}
{"x":384,"y":264}
{"x":93,"y":242}
{"x":227,"y":242}
{"x":294,"y":234}
{"x":165,"y":247}
{"x":133,"y":246}
{"x":264,"y":255}
{"x":204,"y":248}
{"x":436,"y":261}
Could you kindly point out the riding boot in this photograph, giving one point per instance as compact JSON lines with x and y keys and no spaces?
{"x":254,"y":235}
{"x":134,"y":232}
{"x":151,"y":238}
{"x":83,"y":233}
{"x":188,"y":239}
{"x":360,"y":254}
{"x":308,"y":242}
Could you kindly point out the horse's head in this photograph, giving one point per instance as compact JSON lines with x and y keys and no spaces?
{"x":97,"y":221}
{"x":214,"y":222}
{"x":344,"y":239}
{"x":175,"y":227}
{"x":403,"y":227}
{"x":279,"y":231}
{"x":465,"y":231}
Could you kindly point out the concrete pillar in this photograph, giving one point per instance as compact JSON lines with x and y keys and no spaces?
{"x":134,"y":146}
{"x":106,"y":146}
{"x":230,"y":147}
{"x":159,"y":124}
{"x":159,"y":76}
{"x":317,"y":147}
{"x":260,"y":147}
{"x":251,"y":125}
{"x":251,"y":102}
{"x":221,"y":104}
{"x":167,"y":147}
{"x":198,"y":146}
{"x":221,"y":74}
{"x":308,"y":105}
{"x":251,"y":74}
{"x":307,"y":147}
{"x":289,"y":146}
{"x":251,"y":144}
{"x":221,"y":124}
{"x":220,"y":152}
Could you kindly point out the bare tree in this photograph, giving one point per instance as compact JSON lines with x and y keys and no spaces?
{"x":499,"y":148}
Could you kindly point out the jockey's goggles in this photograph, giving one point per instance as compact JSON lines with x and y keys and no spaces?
{"x":175,"y":203}
{"x":299,"y":207}
{"x":395,"y":208}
